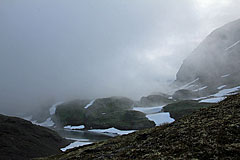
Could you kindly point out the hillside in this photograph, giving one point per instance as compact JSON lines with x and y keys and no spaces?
{"x":21,"y":140}
{"x":214,"y":63}
{"x":210,"y":133}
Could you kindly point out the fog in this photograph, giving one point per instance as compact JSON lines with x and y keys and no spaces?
{"x":56,"y":50}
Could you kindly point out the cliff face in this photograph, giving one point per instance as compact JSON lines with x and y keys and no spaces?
{"x":210,"y":133}
{"x":215,"y":62}
{"x":21,"y":140}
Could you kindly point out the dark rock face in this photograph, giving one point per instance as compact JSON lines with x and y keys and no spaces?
{"x":71,"y":113}
{"x":21,"y":140}
{"x":154,"y":100}
{"x":216,"y":56}
{"x":210,"y":133}
{"x":182,"y":108}
{"x":103,"y":113}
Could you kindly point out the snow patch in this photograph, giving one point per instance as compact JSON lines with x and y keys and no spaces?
{"x":148,"y":110}
{"x":197,"y":99}
{"x":75,"y":144}
{"x":212,"y":100}
{"x":52,"y":110}
{"x":112,"y":131}
{"x":221,"y":95}
{"x":199,"y":89}
{"x":226,"y":92}
{"x":226,"y":75}
{"x":74,"y":127}
{"x":47,"y":123}
{"x":221,"y":87}
{"x":88,"y":105}
{"x":233,"y":45}
{"x":189,"y":84}
{"x":160,"y":118}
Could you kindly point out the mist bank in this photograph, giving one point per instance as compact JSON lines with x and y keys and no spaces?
{"x":54,"y":51}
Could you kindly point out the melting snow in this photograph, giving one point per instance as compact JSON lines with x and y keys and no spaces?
{"x":148,"y":110}
{"x":226,"y":75}
{"x":188,"y":84}
{"x":212,"y":100}
{"x":160,"y":118}
{"x":199,"y":89}
{"x":233,"y":45}
{"x":226,"y":92}
{"x":221,"y":87}
{"x":53,"y":108}
{"x":74,"y":127}
{"x":221,"y":95}
{"x":88,"y":105}
{"x":47,"y":123}
{"x":75,"y":144}
{"x":112,"y":130}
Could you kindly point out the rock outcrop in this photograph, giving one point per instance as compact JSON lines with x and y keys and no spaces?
{"x":210,"y":133}
{"x":215,"y":62}
{"x":21,"y":140}
{"x":182,"y":108}
{"x":154,"y":100}
{"x":102,"y":113}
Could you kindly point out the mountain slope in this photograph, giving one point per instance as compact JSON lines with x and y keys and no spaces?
{"x":21,"y":140}
{"x":209,"y":133}
{"x":215,"y":62}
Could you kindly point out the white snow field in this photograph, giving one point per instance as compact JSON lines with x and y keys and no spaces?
{"x":76,"y":144}
{"x":112,"y":131}
{"x":88,"y":105}
{"x":221,"y":87}
{"x":53,"y":108}
{"x":212,"y":100}
{"x":226,"y":75}
{"x":148,"y":110}
{"x":160,"y":118}
{"x":233,"y":45}
{"x":49,"y":122}
{"x":199,"y":89}
{"x":221,"y":95}
{"x":74,"y":127}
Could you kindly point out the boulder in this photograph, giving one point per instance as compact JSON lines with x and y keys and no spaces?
{"x":182,"y":108}
{"x":155,"y":100}
{"x":21,"y":140}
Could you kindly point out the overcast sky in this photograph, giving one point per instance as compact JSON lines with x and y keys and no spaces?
{"x":64,"y":49}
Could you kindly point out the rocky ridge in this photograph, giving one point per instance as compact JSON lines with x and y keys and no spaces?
{"x":21,"y":140}
{"x":210,"y":133}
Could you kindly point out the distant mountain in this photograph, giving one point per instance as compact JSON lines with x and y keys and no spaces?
{"x":21,"y":140}
{"x":214,"y":64}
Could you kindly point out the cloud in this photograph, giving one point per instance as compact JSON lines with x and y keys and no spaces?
{"x":86,"y":49}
